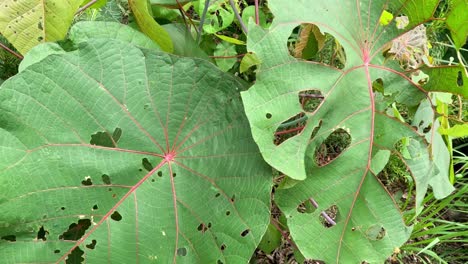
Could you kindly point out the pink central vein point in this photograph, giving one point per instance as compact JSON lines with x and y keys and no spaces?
{"x":169,"y":156}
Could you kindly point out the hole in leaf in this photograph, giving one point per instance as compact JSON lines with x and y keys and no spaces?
{"x":95,"y":207}
{"x":202,"y":228}
{"x":460,"y":79}
{"x":209,"y":225}
{"x":76,"y":256}
{"x":57,"y":251}
{"x":87,"y":181}
{"x":375,"y":232}
{"x":105,"y":139}
{"x":153,"y":180}
{"x":310,"y":100}
{"x":160,"y":173}
{"x":41,"y":234}
{"x":76,"y":230}
{"x":228,"y":212}
{"x":116,"y":216}
{"x":219,"y":262}
{"x":223,"y":247}
{"x":305,"y":42}
{"x":106,"y":179}
{"x":62,"y":208}
{"x":308,"y":43}
{"x":181,"y":252}
{"x":174,"y":174}
{"x":92,"y":245}
{"x":233,"y":198}
{"x":378,"y":86}
{"x":332,"y":147}
{"x":330,"y":216}
{"x":306,"y":207}
{"x":268,"y":115}
{"x":427,"y":129}
{"x":11,"y":238}
{"x":290,"y":128}
{"x":147,"y":165}
{"x":245,"y":232}
{"x":217,"y":194}
{"x":110,"y":189}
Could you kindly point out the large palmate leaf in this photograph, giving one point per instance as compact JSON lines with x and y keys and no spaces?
{"x":366,"y":225}
{"x":114,"y":154}
{"x":25,"y":23}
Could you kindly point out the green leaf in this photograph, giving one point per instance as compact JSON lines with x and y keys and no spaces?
{"x":184,"y":44}
{"x":38,"y":53}
{"x":149,"y":26}
{"x":456,"y":131}
{"x":169,"y":3}
{"x":230,"y":40}
{"x":218,"y":17}
{"x":385,"y":18}
{"x":97,"y":4}
{"x":26,"y":23}
{"x":450,"y":79}
{"x":457,"y":22}
{"x":437,"y":164}
{"x":85,"y":30}
{"x":121,"y":155}
{"x":339,"y":149}
{"x":249,"y":12}
{"x":249,"y":60}
{"x":225,"y":49}
{"x":271,"y":240}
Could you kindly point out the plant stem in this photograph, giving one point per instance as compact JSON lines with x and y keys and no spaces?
{"x":3,"y":46}
{"x":293,"y":122}
{"x":83,"y":8}
{"x":257,"y":18}
{"x":289,"y":130}
{"x":227,"y":57}
{"x":283,"y":233}
{"x":181,"y":9}
{"x":239,"y":18}
{"x":325,"y":215}
{"x":311,"y":95}
{"x":202,"y":20}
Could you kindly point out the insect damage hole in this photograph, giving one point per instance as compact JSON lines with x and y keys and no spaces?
{"x":76,"y":256}
{"x":92,"y":245}
{"x":335,"y":144}
{"x":147,"y":164}
{"x":11,"y":238}
{"x":310,"y":100}
{"x":330,"y":216}
{"x":307,"y":42}
{"x":182,"y":252}
{"x":76,"y":230}
{"x":41,"y":234}
{"x":105,"y":139}
{"x":87,"y":181}
{"x":375,"y":232}
{"x":307,"y":207}
{"x":116,"y":216}
{"x":106,"y":179}
{"x":459,"y":79}
{"x":245,"y":232}
{"x":290,"y":128}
